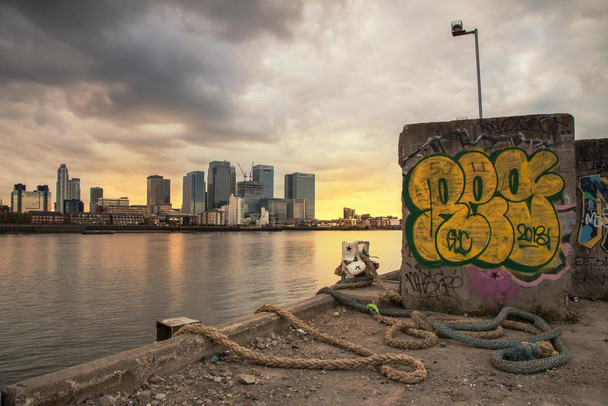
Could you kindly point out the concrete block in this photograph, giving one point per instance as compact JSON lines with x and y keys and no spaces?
{"x":489,"y":210}
{"x":167,"y":328}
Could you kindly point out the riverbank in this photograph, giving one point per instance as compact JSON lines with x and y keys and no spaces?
{"x":172,"y":373}
{"x":74,"y":228}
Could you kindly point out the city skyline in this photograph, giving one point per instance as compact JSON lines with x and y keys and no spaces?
{"x":122,"y":91}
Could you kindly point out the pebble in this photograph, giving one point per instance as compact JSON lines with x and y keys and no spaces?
{"x":301,"y":332}
{"x":336,"y":314}
{"x":160,"y":396}
{"x":144,"y":396}
{"x":154,"y":380}
{"x":247,"y":379}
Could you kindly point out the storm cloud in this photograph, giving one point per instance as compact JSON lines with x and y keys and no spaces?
{"x":133,"y":88}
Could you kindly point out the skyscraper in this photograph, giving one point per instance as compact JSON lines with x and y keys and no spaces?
{"x":193,"y":201}
{"x":62,"y":187}
{"x":264,"y":175}
{"x":302,"y":186}
{"x":73,"y":192}
{"x":96,"y":194}
{"x":159,"y":190}
{"x":221,"y":183}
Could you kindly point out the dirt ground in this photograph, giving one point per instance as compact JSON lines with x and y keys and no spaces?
{"x":457,"y":374}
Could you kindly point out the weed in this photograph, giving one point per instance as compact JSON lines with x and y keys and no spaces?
{"x":549,"y":316}
{"x":572,"y":318}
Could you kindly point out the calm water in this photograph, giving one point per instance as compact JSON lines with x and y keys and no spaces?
{"x":67,"y":299}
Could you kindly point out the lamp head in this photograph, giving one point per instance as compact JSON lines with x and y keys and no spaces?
{"x":458,"y":28}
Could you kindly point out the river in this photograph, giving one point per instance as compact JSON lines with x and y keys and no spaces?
{"x":66,"y":299}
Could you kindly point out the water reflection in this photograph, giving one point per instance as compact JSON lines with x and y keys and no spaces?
{"x":67,"y":299}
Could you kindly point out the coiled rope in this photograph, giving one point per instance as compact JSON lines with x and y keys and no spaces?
{"x":542,"y":351}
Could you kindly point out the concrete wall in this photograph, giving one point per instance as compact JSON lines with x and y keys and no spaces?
{"x":489,"y":209}
{"x":591,"y":247}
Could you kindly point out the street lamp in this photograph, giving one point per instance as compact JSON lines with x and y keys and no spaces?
{"x":458,"y":30}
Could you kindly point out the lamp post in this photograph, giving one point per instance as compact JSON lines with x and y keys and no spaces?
{"x":458,"y":30}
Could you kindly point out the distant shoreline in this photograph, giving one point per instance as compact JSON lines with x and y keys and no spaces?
{"x":74,"y":228}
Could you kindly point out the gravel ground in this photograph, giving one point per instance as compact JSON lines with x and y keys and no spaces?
{"x":456,"y":374}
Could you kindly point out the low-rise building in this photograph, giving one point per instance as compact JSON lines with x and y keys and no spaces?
{"x":46,"y":217}
{"x":213,"y":217}
{"x":89,"y":219}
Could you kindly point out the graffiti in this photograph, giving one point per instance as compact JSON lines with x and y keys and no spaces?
{"x":485,"y":210}
{"x":601,"y":263}
{"x":492,"y":286}
{"x":544,"y":125}
{"x":591,"y":270}
{"x":594,"y":213}
{"x":463,"y":140}
{"x":433,"y":282}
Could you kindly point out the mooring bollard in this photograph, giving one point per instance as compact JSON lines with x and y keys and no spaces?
{"x":167,"y":328}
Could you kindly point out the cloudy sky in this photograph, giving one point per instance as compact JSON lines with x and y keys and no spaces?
{"x":122,"y":90}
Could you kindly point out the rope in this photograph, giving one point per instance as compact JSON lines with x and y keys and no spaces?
{"x":539,"y":352}
{"x":543,"y":350}
{"x":368,"y":357}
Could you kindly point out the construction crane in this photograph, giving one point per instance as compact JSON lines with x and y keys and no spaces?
{"x":247,"y":176}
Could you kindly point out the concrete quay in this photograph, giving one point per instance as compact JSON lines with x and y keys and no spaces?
{"x":128,"y":369}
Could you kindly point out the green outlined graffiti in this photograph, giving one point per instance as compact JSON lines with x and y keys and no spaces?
{"x":487,"y":211}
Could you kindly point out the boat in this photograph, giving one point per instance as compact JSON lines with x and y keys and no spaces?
{"x":98,"y":232}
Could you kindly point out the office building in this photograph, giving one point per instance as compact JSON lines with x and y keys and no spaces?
{"x":296,"y":209}
{"x":96,"y":194}
{"x":221,"y":183}
{"x":248,"y":188}
{"x":264,"y":175}
{"x":104,"y":203}
{"x":193,"y":197}
{"x":276,"y":208}
{"x":23,"y":201}
{"x":159,"y":191}
{"x":73,"y":192}
{"x":62,"y":187}
{"x":232,"y":180}
{"x":302,"y":186}
{"x":73,"y":206}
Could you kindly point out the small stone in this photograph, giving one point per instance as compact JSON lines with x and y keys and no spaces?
{"x":247,"y":379}
{"x":105,"y":401}
{"x":217,"y":379}
{"x":442,"y":345}
{"x":301,"y":332}
{"x":336,"y":314}
{"x":260,"y":345}
{"x":273,"y":335}
{"x":250,"y":396}
{"x":160,"y":396}
{"x":144,"y":396}
{"x":154,"y":380}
